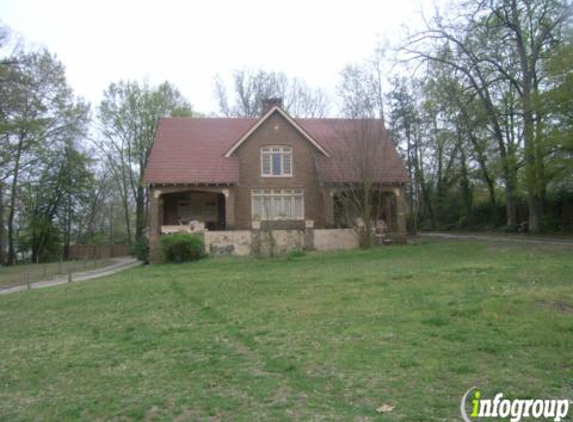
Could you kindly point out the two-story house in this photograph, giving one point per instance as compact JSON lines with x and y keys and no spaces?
{"x":239,"y":173}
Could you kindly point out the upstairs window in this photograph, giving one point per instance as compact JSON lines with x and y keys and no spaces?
{"x":276,"y":161}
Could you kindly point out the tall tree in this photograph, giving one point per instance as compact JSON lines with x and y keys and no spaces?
{"x":363,"y":148}
{"x":359,"y":156}
{"x":38,"y":111}
{"x":498,"y":47}
{"x":404,"y":125}
{"x":77,"y":180}
{"x":128,"y":117}
{"x":557,"y":106}
{"x":8,"y":75}
{"x":529,"y":29}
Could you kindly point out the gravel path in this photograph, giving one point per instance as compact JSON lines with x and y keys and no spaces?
{"x":119,"y":264}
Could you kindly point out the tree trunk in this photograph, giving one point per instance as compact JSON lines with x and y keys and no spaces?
{"x":2,"y":229}
{"x":11,"y":259}
{"x":125,"y":203}
{"x":419,"y":171}
{"x":140,"y":220}
{"x":540,"y":152}
{"x":412,"y":188}
{"x":510,"y":205}
{"x":465,"y":182}
{"x":533,"y":200}
{"x":482,"y":162}
{"x":509,"y":178}
{"x":527,"y":67}
{"x":67,"y":233}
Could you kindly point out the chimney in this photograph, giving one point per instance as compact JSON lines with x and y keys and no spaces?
{"x":269,"y":103}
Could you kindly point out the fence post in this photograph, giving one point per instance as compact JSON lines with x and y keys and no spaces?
{"x":28,"y":284}
{"x":69,"y":275}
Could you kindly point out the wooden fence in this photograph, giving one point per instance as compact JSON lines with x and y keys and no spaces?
{"x":98,"y":251}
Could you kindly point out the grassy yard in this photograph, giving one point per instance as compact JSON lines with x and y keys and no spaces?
{"x":324,"y":337}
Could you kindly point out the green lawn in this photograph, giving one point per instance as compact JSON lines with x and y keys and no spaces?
{"x":324,"y":337}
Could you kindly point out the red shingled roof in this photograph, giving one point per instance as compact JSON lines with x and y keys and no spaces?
{"x":350,"y":145}
{"x":191,"y":151}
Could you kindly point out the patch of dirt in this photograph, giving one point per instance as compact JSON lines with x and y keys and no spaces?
{"x":560,"y":306}
{"x":188,"y":415}
{"x":281,"y":396}
{"x":152,"y":413}
{"x":258,"y":368}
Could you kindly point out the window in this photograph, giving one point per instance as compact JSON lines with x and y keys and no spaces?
{"x":277,"y":204}
{"x":276,"y":161}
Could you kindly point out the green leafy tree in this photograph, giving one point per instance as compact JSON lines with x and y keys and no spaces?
{"x":39,"y":112}
{"x":558,"y":106}
{"x":498,"y":49}
{"x":128,"y":116}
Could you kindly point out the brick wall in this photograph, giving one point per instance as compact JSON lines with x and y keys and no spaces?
{"x":276,"y":130}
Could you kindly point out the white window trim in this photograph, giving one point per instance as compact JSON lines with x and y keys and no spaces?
{"x":262,"y":193}
{"x":281,"y":147}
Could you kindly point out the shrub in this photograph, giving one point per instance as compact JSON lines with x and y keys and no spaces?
{"x":140,"y":249}
{"x":296,"y":253}
{"x":181,"y":247}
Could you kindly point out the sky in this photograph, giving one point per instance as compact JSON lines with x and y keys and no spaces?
{"x":189,"y":42}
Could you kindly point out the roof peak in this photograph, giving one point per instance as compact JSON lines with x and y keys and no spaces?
{"x":289,"y":119}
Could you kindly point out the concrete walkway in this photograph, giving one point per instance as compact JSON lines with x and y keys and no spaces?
{"x":500,"y":238}
{"x":119,"y":264}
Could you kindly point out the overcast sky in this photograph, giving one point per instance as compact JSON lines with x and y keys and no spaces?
{"x":188,"y":42}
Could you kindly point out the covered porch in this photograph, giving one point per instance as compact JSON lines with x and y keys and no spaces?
{"x":183,"y":209}
{"x":187,"y":209}
{"x":388,"y":209}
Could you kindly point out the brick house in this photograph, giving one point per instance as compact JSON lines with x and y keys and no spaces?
{"x":239,"y":173}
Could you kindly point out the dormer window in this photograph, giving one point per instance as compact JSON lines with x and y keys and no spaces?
{"x":276,"y":161}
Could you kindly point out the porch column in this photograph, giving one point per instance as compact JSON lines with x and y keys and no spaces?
{"x":229,"y":208}
{"x":328,"y":195}
{"x":400,"y":215}
{"x":155,"y":222}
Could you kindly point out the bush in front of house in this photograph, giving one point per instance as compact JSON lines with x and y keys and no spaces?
{"x":140,"y":249}
{"x":181,"y":247}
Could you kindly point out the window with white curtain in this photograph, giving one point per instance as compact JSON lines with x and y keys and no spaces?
{"x":277,"y":204}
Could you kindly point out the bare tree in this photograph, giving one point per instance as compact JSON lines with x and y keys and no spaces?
{"x":362,"y":87}
{"x":250,"y":88}
{"x":360,"y":157}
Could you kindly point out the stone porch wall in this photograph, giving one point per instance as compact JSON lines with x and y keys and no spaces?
{"x":255,"y":242}
{"x":230,"y":242}
{"x":335,"y":239}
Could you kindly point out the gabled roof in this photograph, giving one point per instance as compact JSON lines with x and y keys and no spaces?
{"x":342,"y":137}
{"x":200,"y":150}
{"x":276,"y":109}
{"x":192,"y":151}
